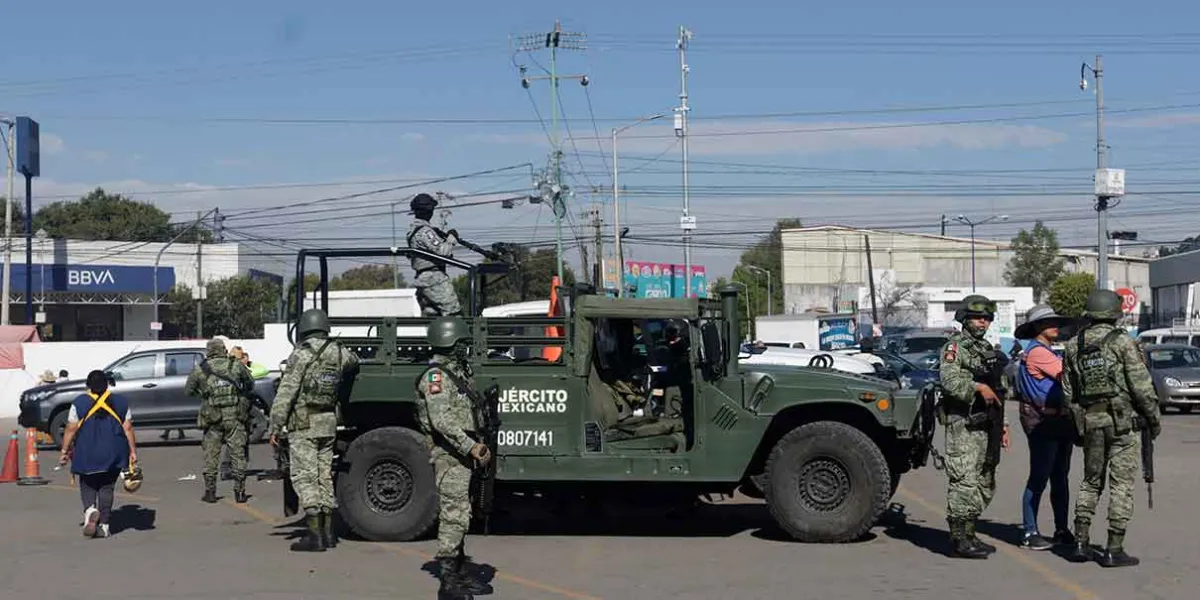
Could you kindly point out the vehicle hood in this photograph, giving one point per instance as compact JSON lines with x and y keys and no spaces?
{"x":789,"y":385}
{"x":811,"y":378}
{"x":59,"y":387}
{"x":1184,"y":374}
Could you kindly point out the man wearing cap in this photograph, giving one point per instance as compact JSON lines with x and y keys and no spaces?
{"x":435,"y":292}
{"x":972,"y":388}
{"x":1044,"y":420}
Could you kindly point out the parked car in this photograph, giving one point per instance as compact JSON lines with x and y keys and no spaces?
{"x":917,"y":346}
{"x":1176,"y":371}
{"x":802,"y":358}
{"x":911,"y":376}
{"x":153,"y":381}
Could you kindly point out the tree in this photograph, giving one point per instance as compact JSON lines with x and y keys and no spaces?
{"x":236,"y":307}
{"x":746,"y":320}
{"x":99,"y":215}
{"x":366,"y":277}
{"x":529,"y":278}
{"x":766,"y":255}
{"x":1188,"y":244}
{"x":1035,"y":263}
{"x":899,"y":306}
{"x":1069,"y":293}
{"x":311,"y":281}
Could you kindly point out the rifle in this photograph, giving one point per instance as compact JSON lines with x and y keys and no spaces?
{"x":485,"y":408}
{"x":991,"y":373}
{"x":1147,"y":459}
{"x":472,"y":246}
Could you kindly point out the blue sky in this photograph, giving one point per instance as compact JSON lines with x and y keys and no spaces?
{"x":144,"y":98}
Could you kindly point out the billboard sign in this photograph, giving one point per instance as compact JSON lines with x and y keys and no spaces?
{"x":29,"y":154}
{"x":836,"y":332}
{"x":94,"y":278}
{"x":663,"y":280}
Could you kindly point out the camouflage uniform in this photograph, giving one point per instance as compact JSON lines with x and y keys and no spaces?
{"x":972,"y":482}
{"x":1106,"y":385}
{"x":447,"y":420}
{"x":224,"y":385}
{"x":318,"y":375}
{"x":435,"y":292}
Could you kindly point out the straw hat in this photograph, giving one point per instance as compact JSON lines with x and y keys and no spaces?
{"x":1037,"y":315}
{"x":48,"y":376}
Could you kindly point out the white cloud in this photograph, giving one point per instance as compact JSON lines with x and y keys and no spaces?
{"x":759,"y":138}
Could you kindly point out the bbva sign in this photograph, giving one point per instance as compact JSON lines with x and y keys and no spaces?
{"x":90,"y":277}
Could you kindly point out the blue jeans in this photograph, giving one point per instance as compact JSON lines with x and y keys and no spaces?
{"x":1049,"y":461}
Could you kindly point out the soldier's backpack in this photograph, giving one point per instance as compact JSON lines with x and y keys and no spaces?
{"x":1096,"y":380}
{"x":324,"y":376}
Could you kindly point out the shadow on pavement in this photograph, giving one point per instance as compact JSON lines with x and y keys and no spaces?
{"x":1009,"y":533}
{"x":897,"y":525}
{"x":480,"y":574}
{"x":131,"y":516}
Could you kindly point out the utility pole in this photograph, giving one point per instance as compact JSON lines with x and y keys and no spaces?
{"x":598,"y":238}
{"x":218,"y":225}
{"x":1110,"y":183}
{"x":943,"y":225}
{"x":551,"y":181}
{"x":11,"y":153}
{"x":200,"y":291}
{"x":687,"y":223}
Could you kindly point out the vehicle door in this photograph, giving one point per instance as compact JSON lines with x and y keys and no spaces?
{"x":177,"y":405}
{"x":136,"y":378}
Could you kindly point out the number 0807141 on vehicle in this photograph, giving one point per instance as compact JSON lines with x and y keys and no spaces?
{"x":526,"y":437}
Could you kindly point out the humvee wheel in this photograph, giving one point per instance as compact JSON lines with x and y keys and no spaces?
{"x":827,"y":482}
{"x":387,"y":492}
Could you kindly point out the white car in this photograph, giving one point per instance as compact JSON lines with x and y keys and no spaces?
{"x":797,"y":357}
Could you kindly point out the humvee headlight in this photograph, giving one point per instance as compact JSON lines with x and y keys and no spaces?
{"x":867,"y":396}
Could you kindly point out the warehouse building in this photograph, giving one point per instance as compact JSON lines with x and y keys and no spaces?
{"x":105,"y":291}
{"x":825,"y":267}
{"x":1173,"y":285}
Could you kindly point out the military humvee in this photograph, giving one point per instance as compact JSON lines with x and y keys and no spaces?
{"x":825,"y":448}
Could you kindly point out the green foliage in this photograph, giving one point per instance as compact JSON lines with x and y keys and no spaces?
{"x":1035,"y":262}
{"x":1069,"y":293}
{"x":236,"y":307}
{"x":767,"y":255}
{"x":528,"y":280}
{"x":1189,"y":244}
{"x":366,"y":277}
{"x":101,"y":216}
{"x":746,"y":322}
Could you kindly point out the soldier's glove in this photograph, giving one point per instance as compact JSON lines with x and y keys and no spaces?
{"x":1155,"y":428}
{"x":452,"y":233}
{"x":481,"y":454}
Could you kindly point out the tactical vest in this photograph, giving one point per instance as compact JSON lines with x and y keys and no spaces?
{"x":1096,"y":381}
{"x":222,"y":391}
{"x":422,"y":265}
{"x":322,"y":382}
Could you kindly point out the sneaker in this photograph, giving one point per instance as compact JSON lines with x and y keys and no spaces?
{"x":1034,"y":541}
{"x":102,"y":530}
{"x":90,"y":517}
{"x":1063,"y":537}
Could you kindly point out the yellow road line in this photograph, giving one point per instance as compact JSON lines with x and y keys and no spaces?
{"x":1062,"y":583}
{"x":254,"y":512}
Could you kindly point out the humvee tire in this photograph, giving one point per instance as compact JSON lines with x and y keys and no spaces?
{"x":386,"y":492}
{"x":827,"y":482}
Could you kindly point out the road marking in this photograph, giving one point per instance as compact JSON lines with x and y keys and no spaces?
{"x":1062,"y":583}
{"x":254,"y":512}
{"x":517,"y":579}
{"x":121,"y":495}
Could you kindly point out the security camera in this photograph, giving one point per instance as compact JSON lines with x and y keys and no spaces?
{"x":1083,"y":85}
{"x":583,"y":81}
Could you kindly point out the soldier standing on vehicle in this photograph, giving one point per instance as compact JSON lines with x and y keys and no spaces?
{"x":320,"y":372}
{"x":435,"y":292}
{"x":971,"y":385}
{"x":1107,"y":388}
{"x":223,"y":384}
{"x":448,"y":423}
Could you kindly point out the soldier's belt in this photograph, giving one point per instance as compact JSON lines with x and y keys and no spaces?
{"x":1098,"y":408}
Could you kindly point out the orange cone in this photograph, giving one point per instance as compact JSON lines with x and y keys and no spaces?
{"x":11,"y":465}
{"x":33,"y":475}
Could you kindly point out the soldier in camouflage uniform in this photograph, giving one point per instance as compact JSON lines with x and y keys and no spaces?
{"x":967,"y":393}
{"x":224,"y":385}
{"x":1106,"y":385}
{"x":447,"y":420}
{"x":435,"y":292}
{"x":320,"y":372}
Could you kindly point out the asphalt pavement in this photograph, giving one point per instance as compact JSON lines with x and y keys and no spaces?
{"x":167,"y":544}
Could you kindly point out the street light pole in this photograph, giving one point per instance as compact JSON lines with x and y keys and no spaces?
{"x":617,"y":202}
{"x":972,"y":224}
{"x":158,"y":259}
{"x":770,"y":296}
{"x":395,"y":260}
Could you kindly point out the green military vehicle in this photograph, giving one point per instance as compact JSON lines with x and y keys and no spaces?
{"x":824,"y":448}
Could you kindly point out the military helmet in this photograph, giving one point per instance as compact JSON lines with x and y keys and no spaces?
{"x":1103,"y":305}
{"x":444,"y":332}
{"x":313,"y":319}
{"x":976,"y":305}
{"x":422,"y":202}
{"x":215,"y":347}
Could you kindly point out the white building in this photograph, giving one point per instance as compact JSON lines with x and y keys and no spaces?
{"x":824,"y":267}
{"x":104,"y":291}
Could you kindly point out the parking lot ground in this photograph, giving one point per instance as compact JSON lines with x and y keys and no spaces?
{"x":167,"y":544}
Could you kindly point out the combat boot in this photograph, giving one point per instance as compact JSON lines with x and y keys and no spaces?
{"x":239,"y":493}
{"x":1114,"y":555}
{"x":466,"y":578}
{"x":311,"y":542}
{"x":328,"y":538}
{"x":969,"y":526}
{"x":210,"y":489}
{"x":1083,"y":543}
{"x":451,"y":584}
{"x":961,"y":544}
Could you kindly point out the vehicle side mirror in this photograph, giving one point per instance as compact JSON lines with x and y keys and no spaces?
{"x":714,"y":349}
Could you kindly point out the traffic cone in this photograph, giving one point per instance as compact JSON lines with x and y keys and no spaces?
{"x":33,"y":474}
{"x":11,"y":465}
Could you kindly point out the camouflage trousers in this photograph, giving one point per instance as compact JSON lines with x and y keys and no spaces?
{"x":971,"y":485}
{"x":1118,"y":455}
{"x":435,"y":294}
{"x":230,"y":433}
{"x":312,"y":471}
{"x":453,"y":477}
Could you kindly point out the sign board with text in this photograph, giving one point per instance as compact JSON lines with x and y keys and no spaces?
{"x":1129,"y":300}
{"x":94,"y":278}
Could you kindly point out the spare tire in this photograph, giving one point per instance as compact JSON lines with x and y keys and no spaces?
{"x":386,"y":490}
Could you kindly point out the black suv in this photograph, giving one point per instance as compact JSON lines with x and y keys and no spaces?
{"x":153,"y":382}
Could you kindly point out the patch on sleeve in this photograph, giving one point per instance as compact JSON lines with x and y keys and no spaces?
{"x":950,"y":354}
{"x":434,"y":380}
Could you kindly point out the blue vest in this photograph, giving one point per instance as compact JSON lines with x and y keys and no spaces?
{"x":100,"y":442}
{"x":1040,"y":392}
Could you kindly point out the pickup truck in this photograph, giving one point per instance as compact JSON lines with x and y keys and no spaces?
{"x":153,"y":382}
